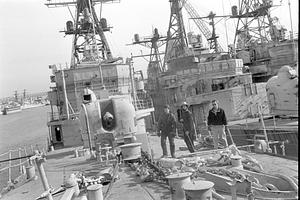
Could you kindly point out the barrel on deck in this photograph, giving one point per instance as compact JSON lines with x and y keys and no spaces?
{"x":198,"y":190}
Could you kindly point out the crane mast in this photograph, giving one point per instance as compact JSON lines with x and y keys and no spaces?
{"x":255,"y":24}
{"x":177,"y":44}
{"x":210,"y":36}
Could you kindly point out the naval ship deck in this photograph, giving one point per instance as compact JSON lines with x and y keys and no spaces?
{"x":128,"y":186}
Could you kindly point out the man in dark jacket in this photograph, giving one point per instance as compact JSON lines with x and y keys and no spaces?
{"x":167,"y":128}
{"x":188,"y":127}
{"x":217,"y":123}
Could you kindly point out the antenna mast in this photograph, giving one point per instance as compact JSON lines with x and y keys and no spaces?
{"x":89,"y":42}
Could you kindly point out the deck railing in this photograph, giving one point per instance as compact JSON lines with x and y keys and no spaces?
{"x":10,"y":169}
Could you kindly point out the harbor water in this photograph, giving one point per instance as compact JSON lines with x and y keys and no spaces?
{"x":25,"y":128}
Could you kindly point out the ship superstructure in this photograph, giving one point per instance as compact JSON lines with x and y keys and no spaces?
{"x":93,"y":66}
{"x":261,"y":41}
{"x":198,"y":75}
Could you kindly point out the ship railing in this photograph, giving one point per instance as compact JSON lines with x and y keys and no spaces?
{"x":292,"y":36}
{"x":55,"y":116}
{"x":17,"y":161}
{"x":141,"y":104}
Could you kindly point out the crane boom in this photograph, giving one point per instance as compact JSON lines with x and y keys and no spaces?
{"x":202,"y":27}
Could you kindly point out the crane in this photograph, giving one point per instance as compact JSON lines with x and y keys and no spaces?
{"x":210,"y":36}
{"x":255,"y":24}
{"x":177,"y":44}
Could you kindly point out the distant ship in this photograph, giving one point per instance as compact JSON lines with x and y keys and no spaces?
{"x":10,"y":108}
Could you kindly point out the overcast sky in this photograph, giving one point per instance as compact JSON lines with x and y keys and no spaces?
{"x":30,"y":38}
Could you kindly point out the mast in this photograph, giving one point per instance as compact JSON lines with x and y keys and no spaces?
{"x":177,"y":44}
{"x":89,"y":41}
{"x":155,"y":66}
{"x":213,"y":39}
{"x":255,"y":24}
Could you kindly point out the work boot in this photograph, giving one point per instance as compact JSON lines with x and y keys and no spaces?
{"x":164,"y":156}
{"x":173,"y":156}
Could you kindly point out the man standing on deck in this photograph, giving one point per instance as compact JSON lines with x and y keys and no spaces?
{"x":167,"y":128}
{"x":217,"y":123}
{"x":188,"y":127}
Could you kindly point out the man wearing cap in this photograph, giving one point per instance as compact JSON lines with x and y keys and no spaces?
{"x":217,"y":123}
{"x":188,"y":127}
{"x":167,"y":128}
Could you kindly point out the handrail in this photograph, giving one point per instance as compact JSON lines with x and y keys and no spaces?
{"x":11,"y":162}
{"x":13,"y":165}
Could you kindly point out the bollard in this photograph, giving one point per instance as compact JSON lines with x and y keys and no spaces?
{"x":94,"y":192}
{"x":23,"y":169}
{"x":236,"y":161}
{"x":30,"y":171}
{"x":176,"y":181}
{"x":198,"y":190}
{"x":131,"y":151}
{"x":75,"y":153}
{"x":51,"y":148}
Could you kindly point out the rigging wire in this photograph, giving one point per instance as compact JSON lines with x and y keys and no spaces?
{"x":225,"y":24}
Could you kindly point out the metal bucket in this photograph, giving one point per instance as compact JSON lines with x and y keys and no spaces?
{"x":131,"y":151}
{"x":30,"y":172}
{"x":176,"y":181}
{"x":198,"y":190}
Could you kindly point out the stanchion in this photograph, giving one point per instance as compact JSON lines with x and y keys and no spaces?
{"x":39,"y":162}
